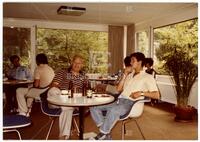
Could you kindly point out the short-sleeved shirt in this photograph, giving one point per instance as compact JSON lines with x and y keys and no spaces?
{"x":45,"y":74}
{"x":140,"y":82}
{"x":20,"y":73}
{"x":64,"y":76}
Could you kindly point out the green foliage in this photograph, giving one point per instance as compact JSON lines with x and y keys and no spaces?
{"x":184,"y":71}
{"x":61,"y":45}
{"x":177,"y":52}
{"x":16,"y":41}
{"x":182,"y":36}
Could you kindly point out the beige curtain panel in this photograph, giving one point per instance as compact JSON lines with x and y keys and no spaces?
{"x":115,"y":48}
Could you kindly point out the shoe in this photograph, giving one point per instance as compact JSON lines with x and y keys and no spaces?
{"x":108,"y":137}
{"x":64,"y":137}
{"x":101,"y":136}
{"x":24,"y":114}
{"x":27,"y":114}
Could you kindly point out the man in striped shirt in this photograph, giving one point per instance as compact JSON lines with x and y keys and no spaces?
{"x":62,"y":81}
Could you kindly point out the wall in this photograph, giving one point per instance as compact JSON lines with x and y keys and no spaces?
{"x":168,"y":92}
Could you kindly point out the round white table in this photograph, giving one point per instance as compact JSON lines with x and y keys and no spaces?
{"x":81,"y":102}
{"x":17,"y":82}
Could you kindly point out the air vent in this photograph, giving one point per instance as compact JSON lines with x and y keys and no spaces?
{"x":71,"y":11}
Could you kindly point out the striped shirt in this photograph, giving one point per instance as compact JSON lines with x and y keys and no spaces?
{"x":64,"y":77}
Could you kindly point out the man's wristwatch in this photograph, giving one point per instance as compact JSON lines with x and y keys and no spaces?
{"x":142,"y":93}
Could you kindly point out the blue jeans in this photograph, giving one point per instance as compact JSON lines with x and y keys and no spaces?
{"x":113,"y":113}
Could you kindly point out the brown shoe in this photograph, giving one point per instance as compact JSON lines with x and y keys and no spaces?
{"x":65,"y":137}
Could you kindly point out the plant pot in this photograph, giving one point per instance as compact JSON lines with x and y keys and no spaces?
{"x":184,"y":114}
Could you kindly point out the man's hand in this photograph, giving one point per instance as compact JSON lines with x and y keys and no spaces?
{"x":135,"y":95}
{"x":54,"y":84}
{"x":128,"y":70}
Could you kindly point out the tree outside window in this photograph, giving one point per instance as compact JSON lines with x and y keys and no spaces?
{"x":182,"y":36}
{"x":16,"y":41}
{"x":61,"y":45}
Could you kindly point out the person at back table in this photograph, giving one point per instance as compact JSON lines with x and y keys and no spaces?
{"x":149,"y":67}
{"x":43,"y":76}
{"x":150,"y":70}
{"x":62,"y":81}
{"x":114,"y":89}
{"x":17,"y":71}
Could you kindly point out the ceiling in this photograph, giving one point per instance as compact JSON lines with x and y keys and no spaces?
{"x":100,"y":13}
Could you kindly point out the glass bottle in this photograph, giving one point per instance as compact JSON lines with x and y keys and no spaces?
{"x":71,"y":88}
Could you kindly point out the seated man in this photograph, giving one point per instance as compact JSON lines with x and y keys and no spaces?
{"x":43,"y":76}
{"x":17,"y":71}
{"x":63,"y":81}
{"x":149,"y":66}
{"x":135,"y":84}
{"x":150,"y":70}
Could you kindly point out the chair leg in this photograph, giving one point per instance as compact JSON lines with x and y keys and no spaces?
{"x":50,"y":128}
{"x":139,"y":129}
{"x":76,"y":126}
{"x":123,"y":130}
{"x":14,"y":130}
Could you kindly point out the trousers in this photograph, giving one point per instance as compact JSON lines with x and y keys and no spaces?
{"x":25,"y":97}
{"x":106,"y":122}
{"x":65,"y":118}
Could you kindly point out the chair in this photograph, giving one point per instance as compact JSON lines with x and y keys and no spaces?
{"x":53,"y":113}
{"x":12,"y":122}
{"x":135,"y":112}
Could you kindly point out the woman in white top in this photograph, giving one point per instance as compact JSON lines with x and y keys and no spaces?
{"x":43,"y":76}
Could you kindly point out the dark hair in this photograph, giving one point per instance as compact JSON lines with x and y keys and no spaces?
{"x":139,"y":56}
{"x":149,"y":61}
{"x":41,"y":59}
{"x":127,"y":61}
{"x":13,"y":57}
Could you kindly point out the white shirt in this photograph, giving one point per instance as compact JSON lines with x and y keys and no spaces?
{"x":140,"y":82}
{"x":45,"y":74}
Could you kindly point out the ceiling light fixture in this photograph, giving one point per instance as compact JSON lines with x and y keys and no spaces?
{"x":71,"y":11}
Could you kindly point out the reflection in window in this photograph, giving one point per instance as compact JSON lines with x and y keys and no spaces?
{"x":16,"y":41}
{"x":61,"y":45}
{"x":143,"y":43}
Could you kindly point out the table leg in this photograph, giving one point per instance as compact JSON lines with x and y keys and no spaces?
{"x":81,"y":122}
{"x":11,"y":102}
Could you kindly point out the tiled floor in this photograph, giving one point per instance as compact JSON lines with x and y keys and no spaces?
{"x":156,"y":123}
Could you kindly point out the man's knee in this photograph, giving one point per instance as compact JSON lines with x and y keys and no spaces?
{"x":20,"y":92}
{"x":54,"y":91}
{"x":70,"y":109}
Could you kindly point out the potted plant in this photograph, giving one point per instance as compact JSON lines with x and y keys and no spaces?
{"x":181,"y":66}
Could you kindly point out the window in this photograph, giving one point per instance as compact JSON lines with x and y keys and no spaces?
{"x":16,"y":41}
{"x":181,"y":36}
{"x":143,"y":43}
{"x":61,"y":45}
